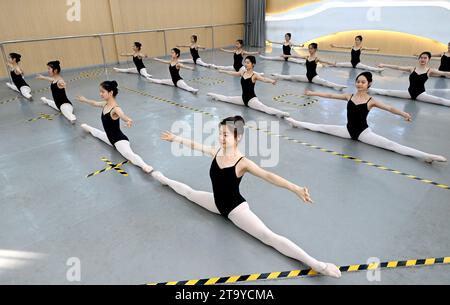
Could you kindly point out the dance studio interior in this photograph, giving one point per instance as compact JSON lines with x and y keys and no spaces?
{"x":237,"y":143}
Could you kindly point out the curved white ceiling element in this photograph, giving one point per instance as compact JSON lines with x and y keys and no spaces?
{"x":314,"y":9}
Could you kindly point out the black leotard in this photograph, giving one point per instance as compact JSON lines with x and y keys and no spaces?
{"x":357,"y":118}
{"x":139,"y":63}
{"x":356,"y":57}
{"x":445,"y":63}
{"x":175,"y":74}
{"x":225,"y":185}
{"x":112,"y":128}
{"x":18,"y":80}
{"x":59,"y":95}
{"x":248,"y":89}
{"x":286,"y":51}
{"x":195,"y":55}
{"x":238,"y":58}
{"x":417,"y":83}
{"x":311,"y":67}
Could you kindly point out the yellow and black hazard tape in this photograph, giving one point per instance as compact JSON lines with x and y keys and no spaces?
{"x":112,"y":166}
{"x":82,"y":75}
{"x":306,"y":272}
{"x":209,"y":81}
{"x":309,"y":100}
{"x":287,"y":138}
{"x":44,"y":116}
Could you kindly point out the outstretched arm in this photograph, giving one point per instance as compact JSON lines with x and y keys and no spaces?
{"x":401,"y":68}
{"x":344,"y":96}
{"x":123,"y":116}
{"x":84,"y":100}
{"x":251,"y":53}
{"x":265,"y":79}
{"x":170,"y":137}
{"x":232,"y":73}
{"x":391,"y":109}
{"x":326,"y":62}
{"x":340,"y":46}
{"x":252,"y":168}
{"x":370,"y":49}
{"x":434,"y":72}
{"x":42,"y":77}
{"x":161,"y":60}
{"x":127,"y":54}
{"x":185,"y":67}
{"x":183,"y":46}
{"x":228,"y":51}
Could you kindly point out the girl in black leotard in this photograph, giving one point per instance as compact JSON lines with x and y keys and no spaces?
{"x":287,"y":51}
{"x":60,"y":100}
{"x":238,"y":57}
{"x":248,"y":97}
{"x":227,"y":169}
{"x":19,"y":84}
{"x":311,"y":74}
{"x":194,"y":47}
{"x":355,"y":61}
{"x":111,"y":116}
{"x":174,"y":70}
{"x":417,"y":79}
{"x":358,"y":107}
{"x":138,"y":57}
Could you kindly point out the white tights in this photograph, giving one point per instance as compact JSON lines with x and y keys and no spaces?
{"x":359,"y":66}
{"x":66,"y":109}
{"x":254,"y":103}
{"x":200,"y":62}
{"x":246,"y":220}
{"x":368,"y":137}
{"x":316,"y":80}
{"x":180,"y":84}
{"x":143,"y":71}
{"x":123,"y":147}
{"x":24,"y":90}
{"x":423,"y":97}
{"x":281,"y":58}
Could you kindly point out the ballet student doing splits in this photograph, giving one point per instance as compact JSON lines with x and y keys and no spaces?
{"x":227,"y":169}
{"x":417,"y":78}
{"x":311,"y":71}
{"x":138,"y":57}
{"x":58,"y":87}
{"x":445,"y":60}
{"x":174,"y":69}
{"x":238,"y":57}
{"x":287,"y":47}
{"x":355,"y":61}
{"x":111,"y":116}
{"x":194,"y":47}
{"x":19,"y":84}
{"x":248,"y":97}
{"x":358,"y":107}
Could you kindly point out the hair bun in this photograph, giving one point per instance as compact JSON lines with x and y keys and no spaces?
{"x":114,"y":83}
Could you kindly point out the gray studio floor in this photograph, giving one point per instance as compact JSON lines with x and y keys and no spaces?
{"x":132,"y":230}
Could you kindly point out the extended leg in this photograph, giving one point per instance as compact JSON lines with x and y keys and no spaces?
{"x":182,"y":85}
{"x":424,"y":97}
{"x":67,"y":111}
{"x":123,"y":147}
{"x":369,"y":137}
{"x":256,"y":104}
{"x":247,"y":221}
{"x":237,"y":100}
{"x":203,"y":199}
{"x":394,"y":93}
{"x":335,"y":130}
{"x":96,"y":133}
